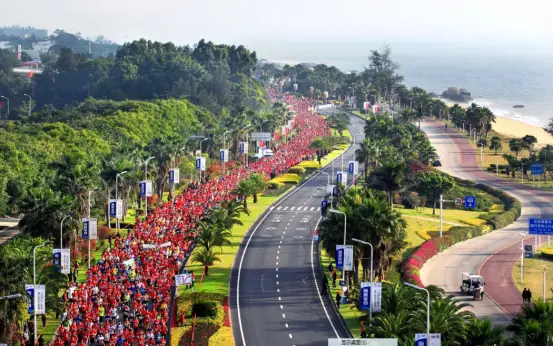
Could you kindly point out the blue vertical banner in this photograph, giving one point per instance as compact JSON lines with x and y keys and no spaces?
{"x":56,"y":259}
{"x":171,"y":177}
{"x":340,"y":257}
{"x":421,"y":340}
{"x":338,"y":177}
{"x":324,"y":205}
{"x":30,"y":289}
{"x":113,"y":208}
{"x":365,"y":296}
{"x":86,"y":228}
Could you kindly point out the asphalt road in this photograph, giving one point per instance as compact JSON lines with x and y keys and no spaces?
{"x":494,"y":254}
{"x":275,"y":285}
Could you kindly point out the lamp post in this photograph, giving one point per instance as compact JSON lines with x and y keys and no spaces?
{"x":543,"y":281}
{"x":200,"y":182}
{"x":117,"y":197}
{"x":34,"y":279}
{"x":522,"y":257}
{"x":345,"y":228}
{"x":427,"y":304}
{"x":7,"y":99}
{"x":146,"y":178}
{"x":11,"y":296}
{"x":225,"y":147}
{"x":89,"y":211}
{"x":30,"y":101}
{"x":61,"y":230}
{"x":371,"y":276}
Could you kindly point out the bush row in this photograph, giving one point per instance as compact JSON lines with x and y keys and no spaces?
{"x":410,"y":268}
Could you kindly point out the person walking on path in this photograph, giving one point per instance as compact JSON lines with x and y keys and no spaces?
{"x":324,"y":285}
{"x":529,"y":295}
{"x":338,"y":300}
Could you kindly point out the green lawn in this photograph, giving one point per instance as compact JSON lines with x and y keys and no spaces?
{"x":219,"y":273}
{"x":533,"y":276}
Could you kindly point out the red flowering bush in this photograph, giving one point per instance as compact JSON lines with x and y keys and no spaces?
{"x":226,"y":322}
{"x":103,"y":232}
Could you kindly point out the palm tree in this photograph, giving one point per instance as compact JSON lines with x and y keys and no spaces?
{"x":389,"y":177}
{"x":260,"y":184}
{"x":245,"y":188}
{"x":233,"y":210}
{"x":362,"y":155}
{"x":209,"y":235}
{"x":533,"y":324}
{"x":495,"y":144}
{"x":206,"y":258}
{"x":483,"y":333}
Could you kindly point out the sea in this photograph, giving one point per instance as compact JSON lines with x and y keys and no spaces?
{"x":498,"y":77}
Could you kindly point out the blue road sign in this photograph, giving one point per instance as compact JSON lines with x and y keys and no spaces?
{"x":470,"y":202}
{"x":421,"y":340}
{"x":536,"y":169}
{"x":528,"y":251}
{"x":540,"y":226}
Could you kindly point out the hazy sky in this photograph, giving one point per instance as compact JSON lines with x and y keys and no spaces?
{"x":259,"y":21}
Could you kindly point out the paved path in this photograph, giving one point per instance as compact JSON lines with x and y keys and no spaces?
{"x":275,"y":284}
{"x":494,"y":254}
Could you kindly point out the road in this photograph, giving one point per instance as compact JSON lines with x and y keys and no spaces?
{"x":444,"y":270}
{"x":275,"y":295}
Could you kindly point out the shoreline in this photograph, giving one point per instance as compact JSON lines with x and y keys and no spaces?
{"x":513,"y":127}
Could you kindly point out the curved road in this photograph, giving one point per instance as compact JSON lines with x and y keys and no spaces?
{"x":275,"y":284}
{"x":494,"y":254}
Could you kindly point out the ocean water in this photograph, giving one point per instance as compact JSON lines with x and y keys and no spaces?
{"x":497,"y":78}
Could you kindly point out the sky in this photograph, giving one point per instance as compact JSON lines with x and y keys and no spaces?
{"x":265,"y":25}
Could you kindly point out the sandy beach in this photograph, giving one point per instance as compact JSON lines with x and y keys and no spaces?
{"x":515,"y":128}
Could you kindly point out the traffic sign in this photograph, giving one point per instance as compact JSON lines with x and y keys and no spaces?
{"x":528,"y":251}
{"x":470,"y":202}
{"x":316,"y":235}
{"x":432,"y":339}
{"x":536,"y":169}
{"x":458,"y":201}
{"x":540,"y":226}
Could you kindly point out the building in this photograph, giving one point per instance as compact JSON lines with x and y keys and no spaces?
{"x":43,"y":46}
{"x":6,"y":45}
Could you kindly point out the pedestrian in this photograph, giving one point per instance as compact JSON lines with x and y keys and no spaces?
{"x":43,"y":321}
{"x":529,"y":295}
{"x":524,"y":295}
{"x":334,"y":276}
{"x":330,"y":268}
{"x":338,"y":300}
{"x":324,"y":285}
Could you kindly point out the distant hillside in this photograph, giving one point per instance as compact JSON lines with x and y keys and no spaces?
{"x":23,"y":31}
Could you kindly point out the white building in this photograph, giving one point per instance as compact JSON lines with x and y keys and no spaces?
{"x":43,"y":46}
{"x":6,"y":45}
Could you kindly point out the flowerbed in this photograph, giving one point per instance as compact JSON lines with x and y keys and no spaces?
{"x":410,"y":268}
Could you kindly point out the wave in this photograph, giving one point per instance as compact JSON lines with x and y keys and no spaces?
{"x":501,"y":110}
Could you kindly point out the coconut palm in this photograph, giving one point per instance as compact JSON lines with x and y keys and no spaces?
{"x":206,"y":258}
{"x":245,"y":188}
{"x":209,"y":235}
{"x":389,"y":178}
{"x":259,"y":181}
{"x":533,"y":324}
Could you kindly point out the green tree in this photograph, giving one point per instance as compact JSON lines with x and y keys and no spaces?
{"x":244,"y":189}
{"x":516,"y":145}
{"x":483,"y":333}
{"x":533,"y":325}
{"x":495,"y":144}
{"x":389,"y":177}
{"x":529,"y":143}
{"x":209,"y":235}
{"x":206,"y":257}
{"x":432,"y":185}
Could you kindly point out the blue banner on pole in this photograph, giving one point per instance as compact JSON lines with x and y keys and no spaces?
{"x":470,"y":202}
{"x":324,"y":204}
{"x":536,"y":169}
{"x":540,"y":226}
{"x":171,"y":177}
{"x":351,"y":168}
{"x":142,"y":189}
{"x":198,"y":163}
{"x":222,"y":155}
{"x":30,"y":289}
{"x":56,"y":259}
{"x":365,"y":297}
{"x":85,"y":233}
{"x":421,"y":340}
{"x":339,"y":257}
{"x":339,"y":177}
{"x":113,"y":208}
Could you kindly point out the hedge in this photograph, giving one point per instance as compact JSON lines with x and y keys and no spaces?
{"x":297,"y":170}
{"x":223,"y":337}
{"x":410,"y":268}
{"x":287,"y":178}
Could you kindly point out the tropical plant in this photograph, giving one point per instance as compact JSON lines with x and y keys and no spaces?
{"x":206,"y":257}
{"x":516,"y":145}
{"x":483,"y":333}
{"x":432,"y":185}
{"x":495,"y":144}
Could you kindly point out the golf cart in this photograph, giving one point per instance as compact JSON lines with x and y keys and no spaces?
{"x":472,"y":284}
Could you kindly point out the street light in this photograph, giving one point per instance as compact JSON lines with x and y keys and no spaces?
{"x":117,"y":197}
{"x":7,"y":99}
{"x":225,"y":147}
{"x":61,"y":230}
{"x":371,"y":275}
{"x":427,"y":304}
{"x":328,"y":184}
{"x":30,"y":101}
{"x":146,"y":162}
{"x":345,"y":221}
{"x":11,"y":296}
{"x":522,"y":257}
{"x":34,"y":278}
{"x":543,"y":288}
{"x":205,"y":139}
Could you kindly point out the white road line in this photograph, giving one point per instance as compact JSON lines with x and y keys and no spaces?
{"x":283,"y":232}
{"x":290,"y":335}
{"x":279,"y":246}
{"x":281,"y":307}
{"x":283,"y":316}
{"x":271,"y":208}
{"x":305,"y":209}
{"x":292,"y":208}
{"x":319,"y":209}
{"x":277,"y":257}
{"x":281,"y":240}
{"x":279,"y":208}
{"x":277,"y":282}
{"x":279,"y":298}
{"x":285,"y":227}
{"x":278,"y":290}
{"x":277,"y":263}
{"x":312,"y":208}
{"x":276,"y":269}
{"x":286,"y":324}
{"x":277,"y":276}
{"x":277,"y":250}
